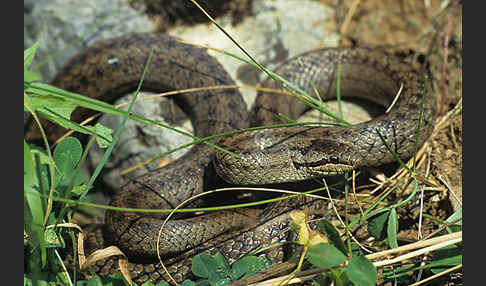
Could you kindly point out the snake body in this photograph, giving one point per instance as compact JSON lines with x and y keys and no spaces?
{"x":113,"y":67}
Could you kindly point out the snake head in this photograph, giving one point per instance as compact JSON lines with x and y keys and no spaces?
{"x":285,"y":158}
{"x":324,"y":157}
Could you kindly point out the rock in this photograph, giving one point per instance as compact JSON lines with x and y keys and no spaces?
{"x":138,"y":142}
{"x":57,"y":23}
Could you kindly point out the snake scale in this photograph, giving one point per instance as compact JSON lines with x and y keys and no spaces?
{"x":110,"y":68}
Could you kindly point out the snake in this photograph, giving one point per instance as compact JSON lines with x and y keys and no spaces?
{"x":110,"y":68}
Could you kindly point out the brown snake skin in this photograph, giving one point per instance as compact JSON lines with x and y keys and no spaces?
{"x":113,"y":67}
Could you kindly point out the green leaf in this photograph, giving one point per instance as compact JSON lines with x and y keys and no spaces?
{"x":339,"y":276}
{"x":27,"y":281}
{"x":95,"y":281}
{"x":321,"y":280}
{"x":204,"y":264}
{"x":31,"y":76}
{"x":78,"y":190}
{"x":30,"y":178}
{"x":248,"y":266}
{"x":392,"y":228}
{"x":361,"y":271}
{"x":42,"y":99}
{"x":219,"y":276}
{"x":327,"y":228}
{"x":115,"y":279}
{"x":446,"y":257}
{"x":219,"y":281}
{"x":45,"y":177}
{"x":40,"y":153}
{"x":215,"y":268}
{"x":33,"y":208}
{"x":53,"y":108}
{"x":103,"y":137}
{"x":58,"y":110}
{"x":51,"y":239}
{"x":74,"y":98}
{"x":458,"y":225}
{"x":377,"y":225}
{"x":456,"y":215}
{"x":356,"y":249}
{"x":222,"y":262}
{"x":325,"y":256}
{"x":42,"y":164}
{"x":203,"y":282}
{"x":29,"y":55}
{"x":66,"y":156}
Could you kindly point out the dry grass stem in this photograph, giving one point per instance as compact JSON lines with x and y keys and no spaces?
{"x":349,"y":16}
{"x":419,"y":244}
{"x":449,"y":189}
{"x":417,"y":252}
{"x":395,"y":99}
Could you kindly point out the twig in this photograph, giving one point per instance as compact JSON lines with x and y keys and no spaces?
{"x":418,"y":244}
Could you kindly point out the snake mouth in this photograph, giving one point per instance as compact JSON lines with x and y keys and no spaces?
{"x":323,"y":168}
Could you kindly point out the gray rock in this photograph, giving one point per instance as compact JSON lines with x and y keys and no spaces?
{"x":139,"y":142}
{"x":278,"y":30}
{"x":56,"y":23}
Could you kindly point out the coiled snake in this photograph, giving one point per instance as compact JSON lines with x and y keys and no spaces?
{"x":113,"y":67}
